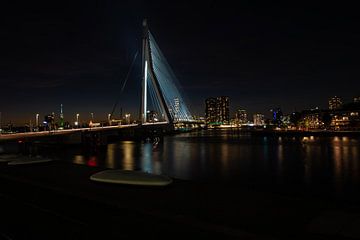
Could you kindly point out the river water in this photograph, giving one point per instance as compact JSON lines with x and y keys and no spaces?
{"x":311,"y":165}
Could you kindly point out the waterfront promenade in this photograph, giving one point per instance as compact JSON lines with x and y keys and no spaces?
{"x":58,"y":201}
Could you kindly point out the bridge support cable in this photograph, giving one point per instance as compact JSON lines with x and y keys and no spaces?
{"x":161,"y":84}
{"x":124,"y":84}
{"x":155,"y":104}
{"x":168,"y":83}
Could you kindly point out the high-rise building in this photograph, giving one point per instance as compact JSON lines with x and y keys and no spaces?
{"x":277,"y":116}
{"x":61,"y":119}
{"x":224,"y":111}
{"x":241,"y":116}
{"x":49,"y":121}
{"x":210,"y":110}
{"x":217,"y":110}
{"x":312,"y":120}
{"x":259,"y":119}
{"x":335,"y":103}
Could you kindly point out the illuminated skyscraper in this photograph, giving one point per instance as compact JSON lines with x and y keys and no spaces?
{"x":259,"y":119}
{"x":210,"y":110}
{"x":49,"y":121}
{"x":217,"y":110}
{"x":276,"y":116}
{"x":335,"y":103}
{"x":61,"y":120}
{"x":241,"y":116}
{"x":223,"y":109}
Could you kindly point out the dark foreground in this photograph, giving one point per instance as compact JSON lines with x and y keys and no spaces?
{"x":58,"y":201}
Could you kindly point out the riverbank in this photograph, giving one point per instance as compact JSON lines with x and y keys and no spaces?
{"x":273,"y":132}
{"x":306,"y":133}
{"x":58,"y":201}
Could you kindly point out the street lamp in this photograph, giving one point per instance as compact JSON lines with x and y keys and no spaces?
{"x":77,"y":119}
{"x":127,"y":118}
{"x":109,"y":120}
{"x":37,"y":122}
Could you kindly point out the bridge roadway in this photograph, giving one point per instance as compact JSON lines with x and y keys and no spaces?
{"x":27,"y":135}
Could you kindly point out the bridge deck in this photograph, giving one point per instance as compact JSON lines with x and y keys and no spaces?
{"x":28,"y":135}
{"x":14,"y":136}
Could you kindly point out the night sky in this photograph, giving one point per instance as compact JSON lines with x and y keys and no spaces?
{"x":262,"y":56}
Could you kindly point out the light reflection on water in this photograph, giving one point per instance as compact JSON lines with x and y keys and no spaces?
{"x":128,"y":153}
{"x":329,"y":162}
{"x":110,"y":156}
{"x":79,"y":159}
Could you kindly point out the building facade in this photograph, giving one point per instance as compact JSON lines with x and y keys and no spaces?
{"x":217,"y":110}
{"x":210,"y":110}
{"x":276,"y":116}
{"x":259,"y":119}
{"x":335,"y":103}
{"x":346,"y":120}
{"x":241,"y":117}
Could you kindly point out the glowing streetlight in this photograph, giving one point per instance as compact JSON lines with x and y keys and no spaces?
{"x":127,"y":118}
{"x":37,"y":120}
{"x":77,"y":119}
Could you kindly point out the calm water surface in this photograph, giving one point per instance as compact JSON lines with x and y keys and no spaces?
{"x":318,"y":164}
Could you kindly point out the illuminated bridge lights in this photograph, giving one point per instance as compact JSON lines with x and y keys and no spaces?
{"x":161,"y":85}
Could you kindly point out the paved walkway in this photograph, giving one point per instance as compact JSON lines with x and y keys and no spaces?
{"x":58,"y":200}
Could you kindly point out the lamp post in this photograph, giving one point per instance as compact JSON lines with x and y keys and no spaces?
{"x":109,"y":120}
{"x":37,"y":122}
{"x":127,"y":118}
{"x":77,"y":119}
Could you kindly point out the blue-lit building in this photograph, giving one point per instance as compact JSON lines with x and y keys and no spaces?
{"x":276,"y":116}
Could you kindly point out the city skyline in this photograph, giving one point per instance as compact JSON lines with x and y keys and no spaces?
{"x":216,"y":110}
{"x":294,"y":57}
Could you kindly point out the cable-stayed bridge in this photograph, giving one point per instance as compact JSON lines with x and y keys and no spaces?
{"x":162,"y":108}
{"x":160,"y":85}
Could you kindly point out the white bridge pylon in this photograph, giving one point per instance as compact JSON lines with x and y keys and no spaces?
{"x":159,"y":83}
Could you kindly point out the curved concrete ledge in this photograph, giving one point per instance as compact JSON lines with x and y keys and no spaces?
{"x":28,"y":160}
{"x":131,"y":178}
